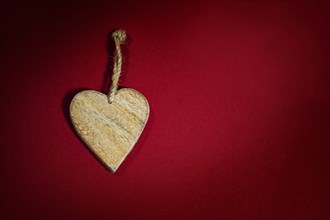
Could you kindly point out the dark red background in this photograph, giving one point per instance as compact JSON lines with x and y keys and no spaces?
{"x":239,"y":96}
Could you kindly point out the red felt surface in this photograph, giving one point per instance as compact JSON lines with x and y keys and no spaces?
{"x":239,"y":96}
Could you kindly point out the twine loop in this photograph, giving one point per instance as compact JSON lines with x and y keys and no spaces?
{"x":119,"y":37}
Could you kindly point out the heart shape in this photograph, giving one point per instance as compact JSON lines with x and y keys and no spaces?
{"x":110,"y":130}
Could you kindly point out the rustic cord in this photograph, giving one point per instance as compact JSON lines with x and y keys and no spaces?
{"x":119,"y":37}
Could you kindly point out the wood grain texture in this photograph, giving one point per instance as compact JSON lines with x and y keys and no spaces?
{"x":109,"y":130}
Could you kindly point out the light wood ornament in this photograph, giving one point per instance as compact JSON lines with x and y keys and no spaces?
{"x":110,"y":128}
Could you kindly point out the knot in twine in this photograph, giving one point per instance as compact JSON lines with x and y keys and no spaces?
{"x":119,"y":37}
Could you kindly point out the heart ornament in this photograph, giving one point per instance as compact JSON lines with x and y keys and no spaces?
{"x":110,"y":125}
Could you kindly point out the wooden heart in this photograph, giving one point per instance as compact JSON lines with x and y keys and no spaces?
{"x":110,"y":130}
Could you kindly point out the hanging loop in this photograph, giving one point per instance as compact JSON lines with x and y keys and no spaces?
{"x":119,"y":37}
